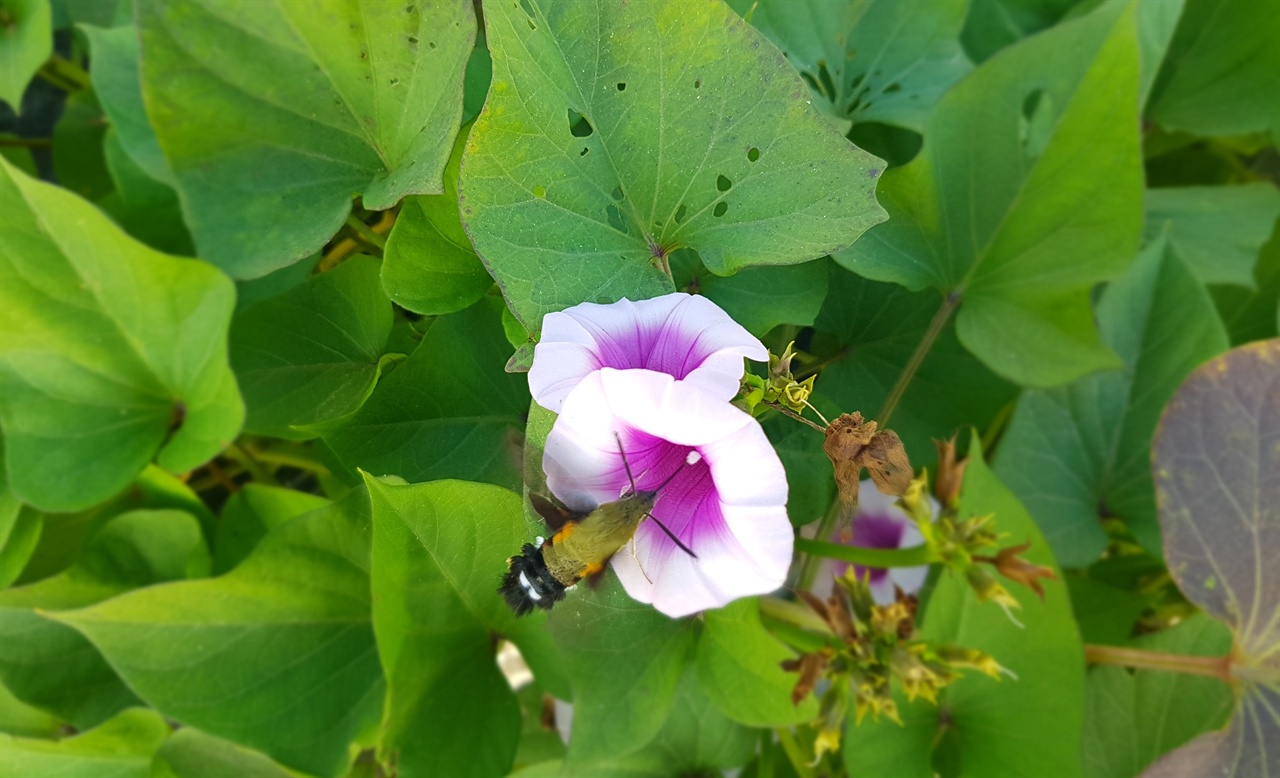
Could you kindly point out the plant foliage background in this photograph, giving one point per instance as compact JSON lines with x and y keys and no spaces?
{"x":270,"y":270}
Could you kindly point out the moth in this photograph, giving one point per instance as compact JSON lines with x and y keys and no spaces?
{"x":541,"y":573}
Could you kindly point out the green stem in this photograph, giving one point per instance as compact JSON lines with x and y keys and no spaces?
{"x":64,"y":70}
{"x":949,"y":304}
{"x":795,"y":753}
{"x":793,"y":613}
{"x":293,"y":459}
{"x":28,"y":143}
{"x":785,"y":411}
{"x":1212,"y":666}
{"x":252,"y":465}
{"x":869,"y":557}
{"x":809,"y":571}
{"x":366,"y":232}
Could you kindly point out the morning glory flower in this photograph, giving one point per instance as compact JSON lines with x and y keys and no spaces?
{"x":726,"y":500}
{"x":685,"y":336}
{"x":880,"y":523}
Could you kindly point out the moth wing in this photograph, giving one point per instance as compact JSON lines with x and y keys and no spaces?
{"x":554,"y":514}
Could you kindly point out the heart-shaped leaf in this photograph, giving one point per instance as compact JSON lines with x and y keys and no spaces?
{"x":272,"y":113}
{"x":112,"y":353}
{"x":582,"y":193}
{"x":1027,"y":193}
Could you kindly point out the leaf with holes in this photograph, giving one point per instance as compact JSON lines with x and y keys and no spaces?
{"x":112,"y":353}
{"x":1027,"y":193}
{"x":373,"y":99}
{"x":1080,"y":453}
{"x":617,"y":133}
{"x":882,"y":61}
{"x":1216,"y":458}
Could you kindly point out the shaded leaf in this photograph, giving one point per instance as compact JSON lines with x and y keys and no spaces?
{"x":740,"y":669}
{"x":1221,"y":61}
{"x":429,"y":266}
{"x":119,"y":748}
{"x":1217,"y":230}
{"x":79,"y":162}
{"x":19,"y":718}
{"x":448,"y":411}
{"x":1026,"y":194}
{"x":1134,"y":717}
{"x":250,"y":514}
{"x":190,"y":753}
{"x":26,"y":41}
{"x":146,"y":209}
{"x":995,"y":24}
{"x":882,"y":61}
{"x":266,"y":173}
{"x":1079,"y":454}
{"x":151,"y":381}
{"x":313,"y":354}
{"x":277,"y":655}
{"x":615,"y":175}
{"x":53,"y":667}
{"x":758,"y":298}
{"x":1254,"y":314}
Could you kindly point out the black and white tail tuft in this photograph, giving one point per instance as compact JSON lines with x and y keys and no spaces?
{"x":529,"y":583}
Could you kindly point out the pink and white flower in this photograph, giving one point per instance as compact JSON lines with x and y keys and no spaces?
{"x":880,"y":523}
{"x":685,"y":336}
{"x":727,"y":503}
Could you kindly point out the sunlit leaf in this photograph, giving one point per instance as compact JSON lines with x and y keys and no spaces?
{"x":119,"y":748}
{"x":271,"y":114}
{"x":277,"y":655}
{"x":1026,"y":194}
{"x":190,"y":753}
{"x":112,"y":353}
{"x":878,"y":61}
{"x":26,"y":41}
{"x":657,"y":126}
{"x":1080,"y":453}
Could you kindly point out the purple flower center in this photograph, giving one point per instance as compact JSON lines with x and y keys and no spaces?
{"x":663,"y":347}
{"x":688,"y":504}
{"x":874,"y":531}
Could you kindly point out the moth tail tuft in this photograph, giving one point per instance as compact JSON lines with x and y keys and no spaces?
{"x":528,"y":584}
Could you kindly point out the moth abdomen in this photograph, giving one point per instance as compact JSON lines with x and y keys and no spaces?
{"x":528,"y":582}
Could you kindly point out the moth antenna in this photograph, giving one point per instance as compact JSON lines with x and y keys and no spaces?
{"x":637,"y":558}
{"x":671,"y":535}
{"x":625,"y":465}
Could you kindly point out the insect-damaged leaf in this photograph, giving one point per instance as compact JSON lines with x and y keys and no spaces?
{"x":272,"y":113}
{"x":656,"y":126}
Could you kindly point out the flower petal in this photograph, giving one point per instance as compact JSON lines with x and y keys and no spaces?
{"x":727,"y":503}
{"x":686,"y":336}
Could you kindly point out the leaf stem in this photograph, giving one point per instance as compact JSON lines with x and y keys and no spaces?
{"x":795,"y":753}
{"x":366,"y":232}
{"x":785,"y":411}
{"x":949,"y":304}
{"x":294,"y":459}
{"x":870,"y":557}
{"x":60,"y":69}
{"x":811,"y":561}
{"x":251,"y":464}
{"x":1212,"y":666}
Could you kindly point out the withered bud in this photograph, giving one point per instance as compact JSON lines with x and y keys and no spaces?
{"x":969,"y":658}
{"x":853,"y":443}
{"x":810,"y":667}
{"x":1011,"y":565}
{"x":946,"y":487}
{"x":988,"y":588}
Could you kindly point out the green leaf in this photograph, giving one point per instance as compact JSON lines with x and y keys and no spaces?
{"x":809,"y":475}
{"x":758,"y":298}
{"x":1132,"y":718}
{"x":1216,"y":462}
{"x":995,"y":24}
{"x":19,"y":530}
{"x":657,"y":126}
{"x":117,"y":80}
{"x":624,"y":661}
{"x":146,"y":209}
{"x":697,"y":737}
{"x":1254,"y":314}
{"x":313,"y":354}
{"x":1220,"y":63}
{"x":739,"y":669}
{"x":994,"y":727}
{"x":1217,"y":230}
{"x":67,"y":535}
{"x":53,"y":667}
{"x":1106,"y":613}
{"x":152,"y":381}
{"x":373,"y":99}
{"x":1080,"y":453}
{"x":19,"y":718}
{"x":277,"y":655}
{"x":439,"y":552}
{"x":879,"y":326}
{"x":250,"y":514}
{"x":190,"y":753}
{"x":448,"y":411}
{"x":26,"y":41}
{"x":882,"y":61}
{"x":429,"y":266}
{"x":120,"y":748}
{"x":1027,"y":193}
{"x":79,"y":162}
